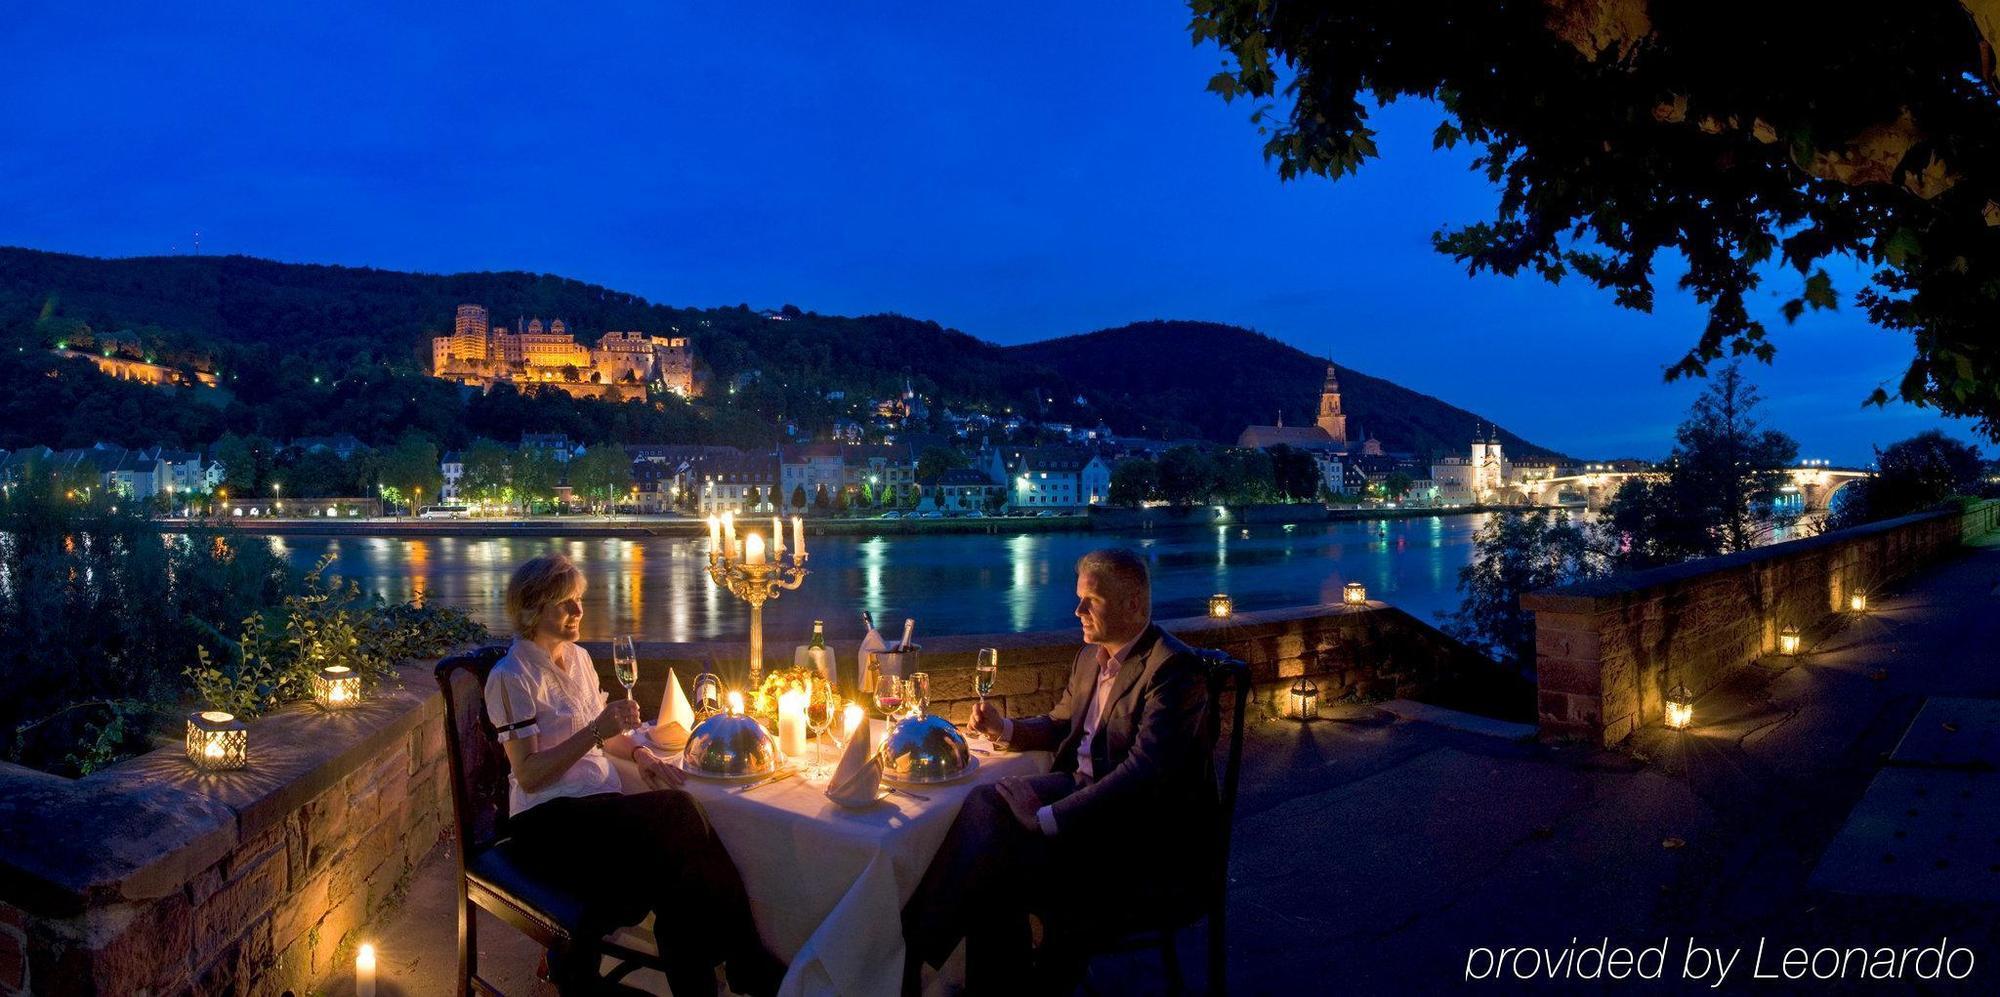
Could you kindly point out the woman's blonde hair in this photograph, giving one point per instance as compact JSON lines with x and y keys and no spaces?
{"x":536,"y":585}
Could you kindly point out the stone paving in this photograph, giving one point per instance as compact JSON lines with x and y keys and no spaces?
{"x":1373,"y":850}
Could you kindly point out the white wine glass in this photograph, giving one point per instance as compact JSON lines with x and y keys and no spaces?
{"x":819,"y":716}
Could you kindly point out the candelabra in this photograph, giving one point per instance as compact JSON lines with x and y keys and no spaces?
{"x":753,"y":579}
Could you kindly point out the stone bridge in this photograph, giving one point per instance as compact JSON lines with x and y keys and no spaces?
{"x":1815,"y":486}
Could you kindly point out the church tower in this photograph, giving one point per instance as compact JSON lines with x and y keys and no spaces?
{"x":1331,"y":418}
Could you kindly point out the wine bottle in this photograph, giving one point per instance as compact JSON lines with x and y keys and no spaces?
{"x":866,"y":665}
{"x":816,"y":653}
{"x":909,"y":631}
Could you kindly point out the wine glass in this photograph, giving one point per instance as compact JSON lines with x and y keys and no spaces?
{"x":889,"y":695}
{"x":819,"y":716}
{"x":918,"y":693}
{"x":983,"y":672}
{"x":625,"y":663}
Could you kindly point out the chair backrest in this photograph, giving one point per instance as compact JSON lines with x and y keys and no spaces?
{"x":1225,"y":675}
{"x":478,"y":764}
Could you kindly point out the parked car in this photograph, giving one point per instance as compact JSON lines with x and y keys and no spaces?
{"x":891,"y":514}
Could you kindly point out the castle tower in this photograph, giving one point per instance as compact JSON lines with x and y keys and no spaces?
{"x":468,"y":333}
{"x":1331,"y":418}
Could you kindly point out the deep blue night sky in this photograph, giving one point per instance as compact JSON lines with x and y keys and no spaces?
{"x":1016,"y":174}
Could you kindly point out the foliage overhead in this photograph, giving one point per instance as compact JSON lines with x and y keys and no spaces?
{"x":1911,"y":476}
{"x":1739,"y":136}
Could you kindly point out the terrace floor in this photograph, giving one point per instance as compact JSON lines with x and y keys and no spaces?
{"x":1374,"y":849}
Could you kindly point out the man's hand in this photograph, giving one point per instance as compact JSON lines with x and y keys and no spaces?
{"x":1021,"y":800}
{"x":657,"y":772}
{"x":989,"y":719}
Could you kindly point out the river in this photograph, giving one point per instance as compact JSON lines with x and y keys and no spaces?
{"x":658,"y":589}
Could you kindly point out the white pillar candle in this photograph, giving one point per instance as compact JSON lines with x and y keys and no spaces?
{"x":364,"y":971}
{"x":715,"y":535}
{"x":777,"y":536}
{"x":753,"y":549}
{"x":792,"y":723}
{"x":798,"y":536}
{"x":729,"y":532}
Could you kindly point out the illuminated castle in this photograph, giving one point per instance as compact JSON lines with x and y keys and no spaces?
{"x":623,"y":365}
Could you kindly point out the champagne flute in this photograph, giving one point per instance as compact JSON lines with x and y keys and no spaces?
{"x":983,"y":673}
{"x":625,"y":663}
{"x":819,"y":716}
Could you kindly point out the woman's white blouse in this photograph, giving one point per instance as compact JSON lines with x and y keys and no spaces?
{"x":527,"y":693}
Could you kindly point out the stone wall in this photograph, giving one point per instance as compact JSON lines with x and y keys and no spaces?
{"x":1607,"y":651}
{"x":1369,"y":652}
{"x":150,"y":878}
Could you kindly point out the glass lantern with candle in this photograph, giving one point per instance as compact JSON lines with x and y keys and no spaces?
{"x":1788,"y":640}
{"x":217,"y":741}
{"x":1220,"y":606}
{"x":1302,"y":701}
{"x":1857,"y":601}
{"x":1680,"y":707}
{"x":1354,"y":594}
{"x":336,"y":687}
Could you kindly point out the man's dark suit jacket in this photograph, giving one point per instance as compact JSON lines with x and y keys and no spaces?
{"x":1147,"y":754}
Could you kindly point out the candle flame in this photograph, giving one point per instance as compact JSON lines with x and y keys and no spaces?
{"x":851,"y":719}
{"x":365,"y":959}
{"x":735,"y":702}
{"x":214,"y":749}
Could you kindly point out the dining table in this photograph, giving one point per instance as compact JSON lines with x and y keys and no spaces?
{"x":827,"y":882}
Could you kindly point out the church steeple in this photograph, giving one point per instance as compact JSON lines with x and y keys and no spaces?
{"x":1331,"y":418}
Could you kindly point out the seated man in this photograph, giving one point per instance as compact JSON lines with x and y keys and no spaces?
{"x":1131,"y":794}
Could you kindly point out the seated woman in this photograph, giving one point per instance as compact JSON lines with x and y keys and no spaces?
{"x":626,"y":854}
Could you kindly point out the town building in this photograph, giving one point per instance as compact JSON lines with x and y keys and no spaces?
{"x":1065,"y":479}
{"x":1328,"y":431}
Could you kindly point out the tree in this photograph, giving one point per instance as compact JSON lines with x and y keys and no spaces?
{"x":487,"y":471}
{"x":1188,"y":476}
{"x":937,"y":460}
{"x":1735,"y":138}
{"x":1295,"y":474}
{"x":1515,"y":553}
{"x":1134,"y":480}
{"x":410,"y":470}
{"x":1723,"y":462}
{"x":1246,"y":476}
{"x":535,"y":476}
{"x":245,"y":461}
{"x":1911,"y":476}
{"x":820,"y":499}
{"x":1397,"y":485}
{"x":600,"y":474}
{"x":798,"y":496}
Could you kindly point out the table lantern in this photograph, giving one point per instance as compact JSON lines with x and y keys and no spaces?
{"x":1220,"y":605}
{"x":336,"y":687}
{"x":1354,"y":594}
{"x":1857,"y":601}
{"x":1680,"y":707}
{"x":1302,"y":702}
{"x":1788,"y":640}
{"x":217,"y":741}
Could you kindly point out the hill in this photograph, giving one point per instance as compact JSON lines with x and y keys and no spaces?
{"x":1208,"y":380}
{"x":308,"y":349}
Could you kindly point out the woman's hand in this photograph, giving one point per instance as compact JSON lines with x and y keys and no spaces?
{"x":657,"y":772}
{"x":620,"y":716}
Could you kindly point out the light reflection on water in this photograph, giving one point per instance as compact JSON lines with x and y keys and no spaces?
{"x":658,"y":587}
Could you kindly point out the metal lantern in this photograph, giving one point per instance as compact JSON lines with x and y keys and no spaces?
{"x":217,"y":741}
{"x":1857,"y":601}
{"x":1680,"y":707}
{"x":1220,"y":605}
{"x":1302,"y":702}
{"x":1354,"y":594}
{"x":336,"y":687}
{"x":1788,"y":640}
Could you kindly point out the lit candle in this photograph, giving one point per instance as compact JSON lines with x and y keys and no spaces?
{"x":729,"y":532}
{"x":753,"y":549}
{"x":735,"y":703}
{"x":715,"y":534}
{"x":850,"y":720}
{"x":798,"y":537}
{"x":792,"y":723}
{"x":777,"y":536}
{"x":364,"y":971}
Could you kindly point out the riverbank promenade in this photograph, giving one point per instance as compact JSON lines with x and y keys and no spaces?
{"x":1822,"y":800}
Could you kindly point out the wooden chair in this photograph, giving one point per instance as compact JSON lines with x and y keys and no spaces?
{"x":1210,"y":896}
{"x":490,"y":876}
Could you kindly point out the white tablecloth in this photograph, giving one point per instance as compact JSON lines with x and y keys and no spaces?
{"x":827,"y":884}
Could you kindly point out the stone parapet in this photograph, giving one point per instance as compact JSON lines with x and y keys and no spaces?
{"x":1608,"y":650}
{"x":151,"y":878}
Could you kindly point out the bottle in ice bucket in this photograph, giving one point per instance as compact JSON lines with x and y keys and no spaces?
{"x":865,"y":661}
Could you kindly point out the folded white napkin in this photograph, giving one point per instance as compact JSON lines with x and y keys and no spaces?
{"x":857,"y":780}
{"x":674,"y":707}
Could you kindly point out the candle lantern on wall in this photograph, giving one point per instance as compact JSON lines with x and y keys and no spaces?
{"x":1788,"y":640}
{"x":1354,"y":594}
{"x":217,"y":741}
{"x":1302,"y":701}
{"x":1220,"y":606}
{"x":1680,"y":707}
{"x":336,"y":687}
{"x":1857,"y":601}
